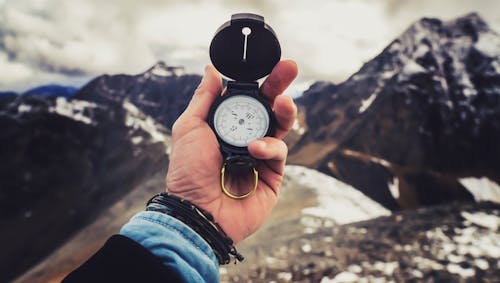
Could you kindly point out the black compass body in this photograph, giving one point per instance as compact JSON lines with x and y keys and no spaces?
{"x":243,"y":49}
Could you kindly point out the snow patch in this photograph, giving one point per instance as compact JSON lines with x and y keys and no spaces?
{"x":482,"y":219}
{"x":137,"y":139}
{"x":23,"y":108}
{"x":482,"y":263}
{"x":387,"y":268}
{"x":146,"y":123}
{"x":483,"y":189}
{"x":422,"y":49}
{"x":286,"y":276}
{"x":496,"y":66}
{"x":489,"y":44}
{"x":363,"y":156}
{"x":336,"y":200}
{"x":306,"y":248}
{"x":74,"y":109}
{"x":469,"y":241}
{"x":354,"y":268}
{"x":457,"y":269}
{"x":343,"y":277}
{"x":162,"y":70}
{"x":469,"y":91}
{"x":394,"y":188}
{"x":412,"y":67}
{"x":367,"y":102}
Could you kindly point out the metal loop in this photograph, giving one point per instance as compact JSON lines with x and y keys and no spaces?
{"x":233,"y":196}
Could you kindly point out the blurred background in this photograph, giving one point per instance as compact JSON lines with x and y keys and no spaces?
{"x":46,"y":41}
{"x":393,"y":171}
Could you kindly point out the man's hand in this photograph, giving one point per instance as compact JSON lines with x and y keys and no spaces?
{"x":196,"y":161}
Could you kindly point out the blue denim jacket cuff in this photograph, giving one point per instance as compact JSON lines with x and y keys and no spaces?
{"x":176,"y":244}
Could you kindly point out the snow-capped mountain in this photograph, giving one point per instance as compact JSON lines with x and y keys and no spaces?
{"x":414,"y":120}
{"x":161,"y":92}
{"x":64,"y":161}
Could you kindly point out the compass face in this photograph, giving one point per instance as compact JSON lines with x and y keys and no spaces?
{"x":241,"y":119}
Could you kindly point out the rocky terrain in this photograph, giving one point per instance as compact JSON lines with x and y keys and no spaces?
{"x":363,"y":242}
{"x":450,"y":243}
{"x":414,"y":120}
{"x":66,"y":161}
{"x":335,"y":235}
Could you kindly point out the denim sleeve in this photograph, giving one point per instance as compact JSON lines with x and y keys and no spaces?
{"x":176,"y":244}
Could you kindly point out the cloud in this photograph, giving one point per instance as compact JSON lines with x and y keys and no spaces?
{"x":75,"y":40}
{"x":12,"y":71}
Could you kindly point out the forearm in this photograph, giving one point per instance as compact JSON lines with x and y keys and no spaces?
{"x":153,"y":247}
{"x":175,"y":244}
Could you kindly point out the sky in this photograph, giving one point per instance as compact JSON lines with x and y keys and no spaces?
{"x":70,"y":42}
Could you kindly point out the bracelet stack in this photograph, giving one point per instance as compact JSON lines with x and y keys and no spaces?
{"x":200,"y":221}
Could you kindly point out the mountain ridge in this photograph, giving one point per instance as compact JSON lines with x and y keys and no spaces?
{"x":405,"y":114}
{"x":161,"y":92}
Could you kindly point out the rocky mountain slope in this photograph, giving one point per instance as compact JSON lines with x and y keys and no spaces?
{"x":449,"y":243}
{"x":414,"y":120}
{"x":66,"y":161}
{"x":74,"y":152}
{"x":313,"y":236}
{"x":161,"y":92}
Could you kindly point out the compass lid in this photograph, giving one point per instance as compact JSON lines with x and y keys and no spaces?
{"x":245,"y":48}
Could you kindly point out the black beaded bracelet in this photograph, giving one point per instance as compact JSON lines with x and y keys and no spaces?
{"x":201,"y":221}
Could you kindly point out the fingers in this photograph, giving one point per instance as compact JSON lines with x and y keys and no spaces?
{"x":268,"y":148}
{"x":280,"y":78}
{"x":208,"y":90}
{"x":285,"y":112}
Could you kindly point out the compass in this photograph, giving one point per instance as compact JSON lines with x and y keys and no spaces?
{"x":243,"y":49}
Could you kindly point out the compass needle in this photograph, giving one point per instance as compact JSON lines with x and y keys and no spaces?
{"x":246,"y":32}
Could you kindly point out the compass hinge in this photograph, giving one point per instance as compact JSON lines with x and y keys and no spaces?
{"x":242,"y":86}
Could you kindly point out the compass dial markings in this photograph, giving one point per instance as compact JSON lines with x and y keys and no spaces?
{"x":241,"y":119}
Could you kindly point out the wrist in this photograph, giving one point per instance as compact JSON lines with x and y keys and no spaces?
{"x":199,"y":221}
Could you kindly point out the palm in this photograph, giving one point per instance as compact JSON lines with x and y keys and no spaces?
{"x":198,"y":150}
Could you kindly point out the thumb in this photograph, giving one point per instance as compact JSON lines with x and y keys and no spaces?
{"x":208,"y":90}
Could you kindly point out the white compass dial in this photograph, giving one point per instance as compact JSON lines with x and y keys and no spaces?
{"x":241,"y":119}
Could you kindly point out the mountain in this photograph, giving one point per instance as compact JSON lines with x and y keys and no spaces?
{"x":4,"y":95}
{"x":414,"y":120}
{"x":161,"y":92}
{"x":53,"y":90}
{"x":65,"y":162}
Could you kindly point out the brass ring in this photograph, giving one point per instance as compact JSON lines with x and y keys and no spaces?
{"x":227,"y":193}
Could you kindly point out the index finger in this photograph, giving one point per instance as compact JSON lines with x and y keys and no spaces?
{"x":203,"y":97}
{"x":280,"y":78}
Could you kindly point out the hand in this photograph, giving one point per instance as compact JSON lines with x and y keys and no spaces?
{"x":196,"y":161}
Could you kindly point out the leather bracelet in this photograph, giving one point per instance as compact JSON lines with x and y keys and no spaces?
{"x":201,"y":221}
